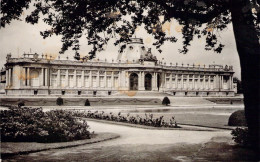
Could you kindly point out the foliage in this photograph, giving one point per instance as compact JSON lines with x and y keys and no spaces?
{"x":237,"y":118}
{"x":33,"y":125}
{"x":87,"y":103}
{"x":102,"y":20}
{"x":59,"y":101}
{"x":21,"y":103}
{"x":166,"y":101}
{"x":148,"y":120}
{"x":240,"y":136}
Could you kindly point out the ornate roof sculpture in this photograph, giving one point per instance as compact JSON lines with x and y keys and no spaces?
{"x":148,"y":56}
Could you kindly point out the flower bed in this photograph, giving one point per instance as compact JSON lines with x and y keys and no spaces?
{"x":33,"y":125}
{"x":148,"y":120}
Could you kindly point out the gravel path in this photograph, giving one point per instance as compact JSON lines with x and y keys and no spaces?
{"x":134,"y":144}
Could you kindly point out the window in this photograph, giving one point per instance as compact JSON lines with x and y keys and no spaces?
{"x":101,"y":81}
{"x":71,"y":81}
{"x":116,"y":84}
{"x":94,"y":81}
{"x":78,"y":81}
{"x":109,"y":82}
{"x":54,"y":80}
{"x":86,"y":81}
{"x":63,"y":81}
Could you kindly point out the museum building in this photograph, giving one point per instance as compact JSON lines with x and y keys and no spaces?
{"x":136,"y":69}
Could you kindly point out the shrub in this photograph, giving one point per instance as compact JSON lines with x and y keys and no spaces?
{"x":237,"y":118}
{"x":21,"y":103}
{"x":240,"y":136}
{"x":87,"y":103}
{"x":33,"y":125}
{"x":59,"y":101}
{"x":166,"y":101}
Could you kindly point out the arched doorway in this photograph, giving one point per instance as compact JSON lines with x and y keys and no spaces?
{"x":158,"y":81}
{"x":148,"y":82}
{"x":133,"y":81}
{"x":35,"y":78}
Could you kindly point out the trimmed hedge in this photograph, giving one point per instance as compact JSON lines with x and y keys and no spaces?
{"x":237,"y":118}
{"x":59,"y":101}
{"x":87,"y":103}
{"x":166,"y":101}
{"x":33,"y":125}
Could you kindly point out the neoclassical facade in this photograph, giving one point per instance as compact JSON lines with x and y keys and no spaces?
{"x":135,"y":69}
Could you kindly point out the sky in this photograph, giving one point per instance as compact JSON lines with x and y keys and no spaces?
{"x":20,"y":37}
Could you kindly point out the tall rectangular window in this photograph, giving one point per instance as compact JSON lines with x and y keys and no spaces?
{"x":94,"y":81}
{"x":78,"y":78}
{"x":54,"y":80}
{"x":63,"y":81}
{"x":71,"y":81}
{"x":101,"y":81}
{"x":86,"y":79}
{"x":116,"y":83}
{"x":109,"y":81}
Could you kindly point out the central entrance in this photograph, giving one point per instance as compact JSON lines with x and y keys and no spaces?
{"x":133,"y":81}
{"x":148,"y":82}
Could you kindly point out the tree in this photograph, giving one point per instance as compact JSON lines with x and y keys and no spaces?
{"x":102,"y":20}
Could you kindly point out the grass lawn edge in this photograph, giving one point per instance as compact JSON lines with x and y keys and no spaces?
{"x":18,"y":148}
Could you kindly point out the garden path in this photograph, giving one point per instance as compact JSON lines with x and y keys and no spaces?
{"x":135,"y":144}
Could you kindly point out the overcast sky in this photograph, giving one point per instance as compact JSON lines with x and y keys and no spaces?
{"x":20,"y":37}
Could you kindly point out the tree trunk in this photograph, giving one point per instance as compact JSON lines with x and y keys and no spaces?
{"x":248,"y":48}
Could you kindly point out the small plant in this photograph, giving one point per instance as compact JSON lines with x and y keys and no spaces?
{"x":20,"y":104}
{"x":240,"y":136}
{"x":59,"y":101}
{"x":166,"y":101}
{"x":87,"y":103}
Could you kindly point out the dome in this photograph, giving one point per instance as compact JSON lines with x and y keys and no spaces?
{"x":134,"y":51}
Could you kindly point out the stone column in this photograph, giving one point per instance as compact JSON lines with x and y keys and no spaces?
{"x":24,"y":76}
{"x":41,"y":77}
{"x":46,"y":77}
{"x":193,"y":82}
{"x":90,"y":79}
{"x":119,"y":79}
{"x":112,"y":80}
{"x":182,"y":81}
{"x":142,"y":81}
{"x":105,"y":79}
{"x":222,"y":82}
{"x":170,"y":87}
{"x":188,"y":82}
{"x":10,"y":77}
{"x":209,"y":80}
{"x":67,"y":78}
{"x":204,"y":84}
{"x":7,"y":78}
{"x":58,"y":78}
{"x":231,"y":84}
{"x":28,"y":77}
{"x":82,"y":79}
{"x":75,"y":78}
{"x":156,"y":81}
{"x":176,"y":81}
{"x":97,"y":81}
